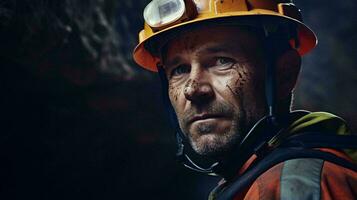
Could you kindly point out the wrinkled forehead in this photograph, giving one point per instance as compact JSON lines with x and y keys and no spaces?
{"x":241,"y":38}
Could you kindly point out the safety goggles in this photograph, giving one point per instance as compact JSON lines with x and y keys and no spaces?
{"x":160,"y":14}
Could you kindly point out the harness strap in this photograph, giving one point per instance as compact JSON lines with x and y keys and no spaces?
{"x":318,"y":139}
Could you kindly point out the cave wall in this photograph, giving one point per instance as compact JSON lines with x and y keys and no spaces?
{"x":81,"y":121}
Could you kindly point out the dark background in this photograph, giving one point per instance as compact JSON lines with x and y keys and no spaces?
{"x":79,"y":120}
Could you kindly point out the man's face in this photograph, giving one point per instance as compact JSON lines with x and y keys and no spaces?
{"x":215,"y":85}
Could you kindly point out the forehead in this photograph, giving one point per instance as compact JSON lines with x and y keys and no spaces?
{"x":219,"y":38}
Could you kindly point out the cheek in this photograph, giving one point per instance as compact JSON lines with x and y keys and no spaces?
{"x":240,"y":81}
{"x":247,"y":87}
{"x":174,"y":93}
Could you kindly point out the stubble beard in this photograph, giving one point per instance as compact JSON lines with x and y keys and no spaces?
{"x":215,"y":144}
{"x":206,"y":143}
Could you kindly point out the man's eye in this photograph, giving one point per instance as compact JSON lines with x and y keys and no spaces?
{"x":182,"y":69}
{"x":224,"y":62}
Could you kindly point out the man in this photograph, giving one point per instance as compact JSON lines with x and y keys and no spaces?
{"x":228,"y":70}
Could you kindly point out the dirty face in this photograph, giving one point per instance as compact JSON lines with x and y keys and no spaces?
{"x":215,"y":85}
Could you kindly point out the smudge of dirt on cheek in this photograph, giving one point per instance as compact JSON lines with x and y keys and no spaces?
{"x":242,"y":85}
{"x":242,"y":110}
{"x":230,"y":89}
{"x":174,"y":92}
{"x":242,"y":77}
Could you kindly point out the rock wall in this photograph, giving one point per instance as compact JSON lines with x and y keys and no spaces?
{"x":81,"y":121}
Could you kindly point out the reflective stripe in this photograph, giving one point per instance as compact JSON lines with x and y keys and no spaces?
{"x":300,"y":179}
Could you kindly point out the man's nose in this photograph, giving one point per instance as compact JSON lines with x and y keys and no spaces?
{"x":198,"y":88}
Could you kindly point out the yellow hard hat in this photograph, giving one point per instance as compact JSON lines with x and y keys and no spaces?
{"x":164,"y":16}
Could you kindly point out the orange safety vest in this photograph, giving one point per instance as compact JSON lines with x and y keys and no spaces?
{"x":301,"y":178}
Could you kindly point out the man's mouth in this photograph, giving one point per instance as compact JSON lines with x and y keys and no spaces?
{"x":205,"y":116}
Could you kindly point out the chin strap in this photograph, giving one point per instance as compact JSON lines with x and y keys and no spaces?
{"x":270,"y":75}
{"x":270,"y":51}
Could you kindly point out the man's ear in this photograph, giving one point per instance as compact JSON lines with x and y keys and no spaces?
{"x":288,"y":69}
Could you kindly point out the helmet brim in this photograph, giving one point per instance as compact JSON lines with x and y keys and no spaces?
{"x":148,"y":60}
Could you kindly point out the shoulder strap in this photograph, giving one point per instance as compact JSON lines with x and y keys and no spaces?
{"x":277,"y":156}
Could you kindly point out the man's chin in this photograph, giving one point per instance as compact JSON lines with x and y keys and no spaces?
{"x":211,"y":145}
